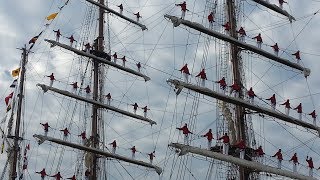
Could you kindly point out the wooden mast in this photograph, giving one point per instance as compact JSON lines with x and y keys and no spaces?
{"x":94,"y":132}
{"x":16,"y":148}
{"x":235,"y":59}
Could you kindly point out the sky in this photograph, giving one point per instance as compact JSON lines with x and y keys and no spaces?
{"x":162,"y":51}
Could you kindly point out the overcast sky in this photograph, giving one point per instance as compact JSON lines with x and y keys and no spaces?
{"x":162,"y":51}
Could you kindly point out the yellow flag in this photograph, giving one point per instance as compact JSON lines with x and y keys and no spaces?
{"x":15,"y":72}
{"x":52,"y":16}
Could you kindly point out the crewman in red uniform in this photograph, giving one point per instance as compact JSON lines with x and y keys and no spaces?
{"x":275,"y":48}
{"x":185,"y":132}
{"x":74,"y":86}
{"x":281,"y":3}
{"x":235,"y":88}
{"x":260,"y":154}
{"x":145,"y":110}
{"x":108,"y":96}
{"x":87,"y":47}
{"x":242,"y":34}
{"x":295,"y":161}
{"x":211,"y":20}
{"x":42,"y":173}
{"x":209,"y":136}
{"x":114,"y":146}
{"x":299,"y":111}
{"x":273,"y":101}
{"x":202,"y":74}
{"x":57,"y":176}
{"x":83,"y":137}
{"x":151,"y":156}
{"x":226,"y":140}
{"x":58,"y":34}
{"x":310,"y":165}
{"x":297,"y":55}
{"x":185,"y":71}
{"x":138,"y":16}
{"x":314,"y":117}
{"x":226,"y":26}
{"x":124,"y":61}
{"x":45,"y":128}
{"x":88,"y":90}
{"x":51,"y":79}
{"x":251,"y":95}
{"x":71,"y":38}
{"x":287,"y":106}
{"x":65,"y":133}
{"x":120,"y":9}
{"x":135,"y":107}
{"x":139,"y":66}
{"x":242,"y":147}
{"x":222,"y":83}
{"x":73,"y":177}
{"x":183,"y":9}
{"x":133,"y":151}
{"x":279,"y":157}
{"x":115,"y":57}
{"x":259,"y":40}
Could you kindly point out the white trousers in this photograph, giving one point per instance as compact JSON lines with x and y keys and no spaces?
{"x":51,"y":83}
{"x":287,"y":111}
{"x":294,"y":167}
{"x":225,"y":148}
{"x":186,"y":139}
{"x":242,"y":153}
{"x":183,"y":14}
{"x":311,"y":172}
{"x":279,"y":164}
{"x":209,"y":144}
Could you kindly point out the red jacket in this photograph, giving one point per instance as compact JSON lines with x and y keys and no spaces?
{"x":222,"y":82}
{"x":226,"y":26}
{"x":251,"y":93}
{"x":294,"y":159}
{"x":209,"y":136}
{"x":45,"y":126}
{"x":51,"y":77}
{"x":225,"y":139}
{"x":42,"y":172}
{"x":313,"y":114}
{"x":310,"y":163}
{"x":297,"y":54}
{"x":121,"y":6}
{"x":279,"y":155}
{"x":151,"y":155}
{"x":241,"y":144}
{"x":275,"y":47}
{"x":287,"y":104}
{"x":145,"y":109}
{"x":235,"y":87}
{"x":57,"y":176}
{"x":183,"y":6}
{"x":185,"y":69}
{"x":65,"y":131}
{"x":88,"y":90}
{"x":138,"y":15}
{"x":83,"y":135}
{"x":185,"y":130}
{"x":108,"y":96}
{"x":259,"y":151}
{"x":273,"y":99}
{"x":242,"y":32}
{"x":72,"y":178}
{"x":202,"y":74}
{"x":115,"y":56}
{"x":298,"y":108}
{"x":133,"y":149}
{"x":114,"y":144}
{"x":74,"y":85}
{"x":210,"y":17}
{"x":259,"y":38}
{"x":135,"y":106}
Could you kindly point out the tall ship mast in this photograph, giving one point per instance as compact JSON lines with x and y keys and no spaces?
{"x":148,"y":89}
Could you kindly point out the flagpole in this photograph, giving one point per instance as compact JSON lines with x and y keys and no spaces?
{"x":16,"y":137}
